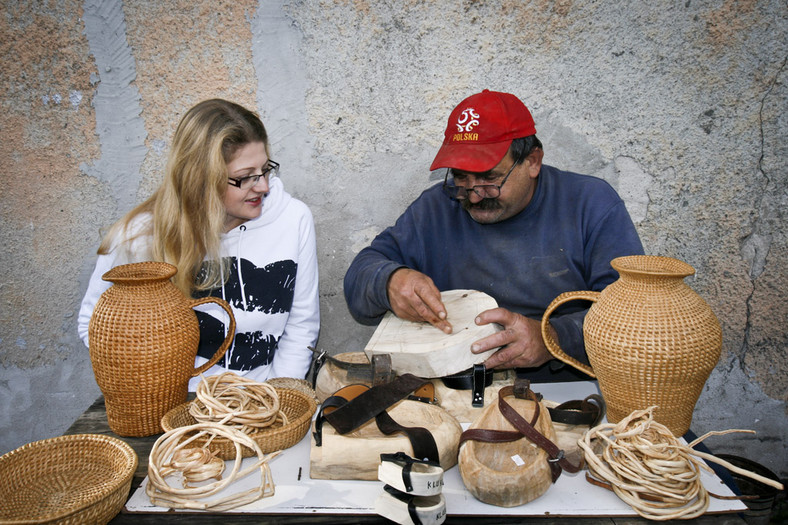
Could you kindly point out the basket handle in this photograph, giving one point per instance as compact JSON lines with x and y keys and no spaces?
{"x":550,"y":342}
{"x":228,"y":338}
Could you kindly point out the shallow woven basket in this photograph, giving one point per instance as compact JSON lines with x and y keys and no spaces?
{"x":298,"y":406}
{"x":77,"y":479}
{"x":296,"y":384}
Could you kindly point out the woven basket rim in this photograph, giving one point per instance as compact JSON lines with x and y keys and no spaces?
{"x":265,"y":433}
{"x":140,"y":272}
{"x":121,"y":478}
{"x":652,"y":265}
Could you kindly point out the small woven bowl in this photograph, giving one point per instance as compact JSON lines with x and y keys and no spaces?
{"x":76,"y":479}
{"x":298,"y":406}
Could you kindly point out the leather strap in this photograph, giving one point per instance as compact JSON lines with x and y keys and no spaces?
{"x":589,"y":411}
{"x":318,"y":358}
{"x":407,"y":462}
{"x":557,"y":460}
{"x":424,"y":447}
{"x":406,"y":498}
{"x":375,"y":400}
{"x":377,"y":371}
{"x":503,"y":436}
{"x":352,"y":406}
{"x":524,"y":428}
{"x":340,"y":398}
{"x":474,"y":379}
{"x":381,"y":369}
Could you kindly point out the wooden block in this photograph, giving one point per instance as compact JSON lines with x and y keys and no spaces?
{"x":458,"y":402}
{"x":331,"y":378}
{"x":356,"y":455}
{"x":423,"y":350}
{"x":507,"y":474}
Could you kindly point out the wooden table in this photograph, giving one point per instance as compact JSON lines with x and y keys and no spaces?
{"x":94,"y":421}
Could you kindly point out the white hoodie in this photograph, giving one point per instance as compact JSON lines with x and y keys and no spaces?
{"x":272,"y":290}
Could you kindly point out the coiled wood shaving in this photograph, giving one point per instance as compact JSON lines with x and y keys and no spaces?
{"x":650,"y":469}
{"x":170,"y":456}
{"x":238,"y":402}
{"x":195,"y":464}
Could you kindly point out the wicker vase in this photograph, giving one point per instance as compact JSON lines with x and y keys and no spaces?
{"x":143,"y":342}
{"x":650,"y":339}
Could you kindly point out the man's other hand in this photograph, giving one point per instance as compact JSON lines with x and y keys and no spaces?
{"x":414,"y":297}
{"x":520,"y":340}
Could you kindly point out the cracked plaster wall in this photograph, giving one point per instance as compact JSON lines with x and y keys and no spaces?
{"x":681,"y":106}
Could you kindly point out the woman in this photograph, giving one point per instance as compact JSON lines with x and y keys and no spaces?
{"x":224,"y":220}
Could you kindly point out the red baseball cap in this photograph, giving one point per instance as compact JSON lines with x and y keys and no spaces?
{"x":480,"y":131}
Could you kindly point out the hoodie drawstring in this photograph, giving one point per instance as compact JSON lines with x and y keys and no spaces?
{"x":238,"y":265}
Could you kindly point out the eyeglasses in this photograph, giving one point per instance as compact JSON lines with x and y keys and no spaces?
{"x":485,"y":191}
{"x":250,"y":181}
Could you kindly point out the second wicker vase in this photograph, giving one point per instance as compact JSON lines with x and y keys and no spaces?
{"x":143,"y":339}
{"x":650,"y":339}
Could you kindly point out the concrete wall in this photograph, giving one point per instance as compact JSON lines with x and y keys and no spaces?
{"x":681,"y":105}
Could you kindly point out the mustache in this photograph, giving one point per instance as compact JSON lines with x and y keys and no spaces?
{"x":484,"y":204}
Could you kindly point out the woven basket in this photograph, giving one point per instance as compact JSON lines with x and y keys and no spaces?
{"x":298,"y":407}
{"x":650,"y":339}
{"x":296,"y":384}
{"x":77,"y":479}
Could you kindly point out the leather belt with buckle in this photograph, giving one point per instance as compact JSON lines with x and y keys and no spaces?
{"x":474,"y":379}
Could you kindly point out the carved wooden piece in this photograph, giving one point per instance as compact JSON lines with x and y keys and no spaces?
{"x":567,"y":436}
{"x":507,"y":474}
{"x":423,"y":350}
{"x":430,"y":510}
{"x":356,"y":455}
{"x":331,"y":378}
{"x":456,"y":402}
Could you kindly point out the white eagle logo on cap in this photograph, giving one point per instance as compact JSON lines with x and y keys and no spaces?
{"x":467,"y":120}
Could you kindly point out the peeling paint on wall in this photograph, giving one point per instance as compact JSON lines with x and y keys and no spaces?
{"x":47,"y":131}
{"x":117,"y":102}
{"x":633,"y":187}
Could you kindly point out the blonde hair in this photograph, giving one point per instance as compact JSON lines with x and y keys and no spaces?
{"x":187,"y":210}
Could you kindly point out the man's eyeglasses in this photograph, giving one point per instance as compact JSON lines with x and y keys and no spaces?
{"x":485,"y":191}
{"x":248,"y":182}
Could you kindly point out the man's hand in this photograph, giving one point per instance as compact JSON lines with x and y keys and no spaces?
{"x":521,"y":340}
{"x":414,"y":297}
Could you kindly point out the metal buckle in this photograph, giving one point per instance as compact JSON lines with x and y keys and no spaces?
{"x":318,"y":359}
{"x":558,"y":458}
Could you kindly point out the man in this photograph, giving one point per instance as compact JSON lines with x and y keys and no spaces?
{"x":504,"y":224}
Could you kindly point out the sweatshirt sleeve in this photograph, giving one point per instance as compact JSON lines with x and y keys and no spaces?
{"x":127,"y":248}
{"x":293,"y":356}
{"x":96,"y":287}
{"x":366,"y":280}
{"x":365,"y":285}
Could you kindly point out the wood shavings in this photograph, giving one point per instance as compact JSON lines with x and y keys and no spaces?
{"x":238,"y":402}
{"x":195,"y":464}
{"x":171,"y":454}
{"x":650,"y":469}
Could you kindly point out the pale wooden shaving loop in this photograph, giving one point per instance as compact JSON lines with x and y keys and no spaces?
{"x":195,"y":464}
{"x":650,"y":469}
{"x":169,"y":453}
{"x":237,"y":402}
